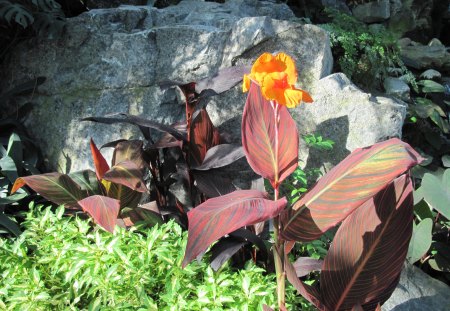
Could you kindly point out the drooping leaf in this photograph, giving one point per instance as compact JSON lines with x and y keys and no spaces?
{"x":126,"y":118}
{"x":420,"y":241}
{"x":10,"y":225}
{"x":203,"y":136}
{"x":55,"y":187}
{"x":15,"y":151}
{"x":129,"y":150}
{"x":102,"y":209}
{"x":213,"y":184}
{"x":224,"y":250}
{"x":223,"y":80}
{"x":308,"y":292}
{"x":128,"y":174}
{"x":436,"y":192}
{"x":127,"y":196}
{"x":8,"y":168}
{"x":429,"y":86}
{"x":220,"y":155}
{"x":304,"y":265}
{"x":352,"y":182}
{"x":269,"y":137}
{"x":219,"y":216}
{"x":87,"y":180}
{"x":13,"y":198}
{"x":167,"y":140}
{"x":361,"y":264}
{"x":100,"y":164}
{"x":446,"y":160}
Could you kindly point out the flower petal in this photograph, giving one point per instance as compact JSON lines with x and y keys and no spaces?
{"x":246,"y":84}
{"x":293,"y":97}
{"x":290,"y":69}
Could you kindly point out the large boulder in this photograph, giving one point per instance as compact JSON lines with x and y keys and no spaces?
{"x":418,"y":291}
{"x":372,"y":12}
{"x":433,"y":55}
{"x":112,"y":60}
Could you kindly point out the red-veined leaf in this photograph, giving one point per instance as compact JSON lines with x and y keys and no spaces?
{"x":128,"y":174}
{"x":219,"y":216}
{"x":269,"y":137}
{"x":308,"y":292}
{"x":352,"y":182}
{"x":127,"y":197}
{"x":129,"y":150}
{"x":101,"y":167}
{"x":130,"y":119}
{"x":102,"y":209}
{"x":55,"y":187}
{"x":203,"y":136}
{"x":304,"y":265}
{"x":219,"y":156}
{"x":212,"y":184}
{"x":223,"y":80}
{"x":369,"y":249}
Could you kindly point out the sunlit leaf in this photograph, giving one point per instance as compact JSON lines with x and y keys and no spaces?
{"x":55,"y":187}
{"x":269,"y":137}
{"x":100,"y":164}
{"x":361,"y":264}
{"x":352,"y":182}
{"x":219,"y":216}
{"x":102,"y":209}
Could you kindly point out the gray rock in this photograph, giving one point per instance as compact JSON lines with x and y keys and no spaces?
{"x":112,"y":60}
{"x":337,"y":4}
{"x":372,"y":12}
{"x":397,"y":88}
{"x":417,"y":291}
{"x":430,"y":74}
{"x":347,"y":115}
{"x":103,"y":4}
{"x":418,"y":56}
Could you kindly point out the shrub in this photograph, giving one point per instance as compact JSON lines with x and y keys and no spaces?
{"x":61,"y":263}
{"x":364,"y":54}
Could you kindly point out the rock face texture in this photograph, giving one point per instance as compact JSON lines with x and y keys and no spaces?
{"x":371,"y":12}
{"x":418,"y":291}
{"x":112,"y":60}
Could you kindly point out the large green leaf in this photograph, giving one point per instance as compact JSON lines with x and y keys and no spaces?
{"x":219,"y":216}
{"x":369,"y":249}
{"x":344,"y":188}
{"x":436,"y":191}
{"x":420,"y":241}
{"x":55,"y":187}
{"x":429,"y":86}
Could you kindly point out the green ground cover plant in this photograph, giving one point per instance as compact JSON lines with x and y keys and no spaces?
{"x":62,"y":263}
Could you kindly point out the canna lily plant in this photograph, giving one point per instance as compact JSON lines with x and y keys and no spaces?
{"x":369,"y":194}
{"x":105,"y":194}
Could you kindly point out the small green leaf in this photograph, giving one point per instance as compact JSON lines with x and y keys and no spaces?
{"x":436,"y":192}
{"x":420,"y":240}
{"x":8,"y":168}
{"x":446,"y":160}
{"x":422,"y":210}
{"x":429,"y":86}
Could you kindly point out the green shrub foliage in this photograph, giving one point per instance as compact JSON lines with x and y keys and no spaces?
{"x":364,"y":54}
{"x":61,"y":263}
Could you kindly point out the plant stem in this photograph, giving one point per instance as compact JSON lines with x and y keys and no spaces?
{"x":278,"y":250}
{"x":278,"y":255}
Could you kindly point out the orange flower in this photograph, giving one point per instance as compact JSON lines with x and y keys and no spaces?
{"x":277,"y":76}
